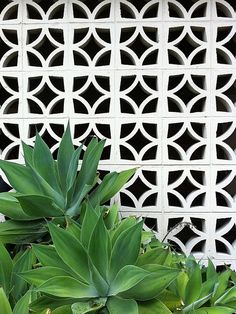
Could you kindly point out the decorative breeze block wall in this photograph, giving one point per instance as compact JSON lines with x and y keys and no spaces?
{"x":157,"y":79}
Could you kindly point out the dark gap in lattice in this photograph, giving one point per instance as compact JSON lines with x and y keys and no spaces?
{"x":104,"y":12}
{"x":186,"y":187}
{"x":198,"y":128}
{"x":92,"y":47}
{"x":186,"y":140}
{"x":11,"y":60}
{"x":104,"y":34}
{"x":58,"y":12}
{"x":126,"y":58}
{"x":138,"y":94}
{"x":125,"y":200}
{"x":126,"y":12}
{"x":187,"y":45}
{"x":231,"y":140}
{"x":174,"y":58}
{"x":45,"y":47}
{"x":221,"y":153}
{"x":79,"y":107}
{"x":173,"y":200}
{"x":79,"y":130}
{"x":174,"y":176}
{"x":151,"y":81}
{"x":104,"y":59}
{"x":57,"y":34}
{"x":174,"y":128}
{"x":50,"y":141}
{"x":173,"y":154}
{"x":79,"y":82}
{"x":45,"y":4}
{"x":139,"y":45}
{"x":222,"y":105}
{"x":151,"y":129}
{"x":138,"y":188}
{"x":13,"y":129}
{"x":222,"y":268}
{"x":223,"y":32}
{"x":151,"y":106}
{"x":79,"y":12}
{"x":174,"y":33}
{"x":222,"y":175}
{"x":199,"y":200}
{"x":175,"y":246}
{"x":222,"y":57}
{"x":199,"y":247}
{"x":186,"y":93}
{"x":152,"y":33}
{"x":126,"y":82}
{"x":12,"y":13}
{"x":3,"y":4}
{"x":33,"y":60}
{"x":152,"y":11}
{"x":221,"y":247}
{"x":104,"y":82}
{"x":174,"y":10}
{"x":172,"y":222}
{"x":230,"y":235}
{"x":126,"y":107}
{"x":104,"y":129}
{"x":79,"y":34}
{"x":33,"y":82}
{"x":34,"y":128}
{"x":11,"y":35}
{"x":231,"y":93}
{"x":199,"y":58}
{"x":125,"y":153}
{"x":79,"y":59}
{"x":91,"y":94}
{"x":12,"y":107}
{"x":174,"y":81}
{"x":151,"y":200}
{"x":58,"y":82}
{"x":230,"y":188}
{"x":57,"y":60}
{"x":4,"y":47}
{"x":58,"y":129}
{"x":4,"y":94}
{"x":200,"y":11}
{"x":33,"y":34}
{"x":199,"y":176}
{"x":58,"y":107}
{"x":126,"y":33}
{"x":221,"y":222}
{"x":199,"y":105}
{"x":221,"y":200}
{"x":4,"y":140}
{"x":222,"y":128}
{"x":198,"y":223}
{"x":186,"y":234}
{"x":46,"y":95}
{"x":33,"y":13}
{"x":12,"y":82}
{"x":126,"y":129}
{"x":34,"y":107}
{"x":199,"y":32}
{"x":151,"y":223}
{"x":232,"y":3}
{"x":151,"y":58}
{"x":4,"y":187}
{"x":199,"y":80}
{"x":222,"y":10}
{"x":150,"y":176}
{"x":222,"y":80}
{"x":104,"y":106}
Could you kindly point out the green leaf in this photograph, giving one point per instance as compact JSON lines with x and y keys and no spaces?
{"x":39,"y":206}
{"x":65,"y":309}
{"x":154,"y":256}
{"x":20,"y":177}
{"x":111,"y":216}
{"x":64,"y":156}
{"x":197,"y":304}
{"x":22,"y":306}
{"x":127,"y":278}
{"x":45,"y":302}
{"x":123,"y":225}
{"x":74,"y":208}
{"x":73,"y":228}
{"x":73,"y":167}
{"x":23,"y":263}
{"x":88,"y":307}
{"x":213,"y":310}
{"x":153,"y":307}
{"x":44,"y":164}
{"x":21,"y":232}
{"x":5,"y":269}
{"x":28,"y":153}
{"x":117,"y":305}
{"x":170,"y":299}
{"x":67,"y":287}
{"x":5,"y":306}
{"x":89,"y":165}
{"x":74,"y":254}
{"x":10,"y":207}
{"x":193,"y":287}
{"x":152,"y":285}
{"x":100,"y":248}
{"x":181,"y":283}
{"x":98,"y":281}
{"x":125,"y":251}
{"x":40,"y":275}
{"x":88,"y":224}
{"x":211,"y":271}
{"x":228,"y":296}
{"x":223,"y":281}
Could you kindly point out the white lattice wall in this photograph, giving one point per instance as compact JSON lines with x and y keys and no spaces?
{"x":157,"y":79}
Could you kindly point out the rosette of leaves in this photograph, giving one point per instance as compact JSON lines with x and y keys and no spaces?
{"x":46,"y":188}
{"x":97,"y":268}
{"x":200,"y":290}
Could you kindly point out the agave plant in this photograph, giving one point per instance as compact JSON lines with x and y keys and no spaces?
{"x":100,"y":271}
{"x":200,"y":290}
{"x":46,"y":189}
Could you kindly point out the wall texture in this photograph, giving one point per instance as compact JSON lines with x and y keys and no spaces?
{"x":157,"y":79}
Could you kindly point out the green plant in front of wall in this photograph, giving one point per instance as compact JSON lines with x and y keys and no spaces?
{"x":201,"y":290}
{"x":96,"y":267}
{"x":53,"y":189}
{"x":15,"y":295}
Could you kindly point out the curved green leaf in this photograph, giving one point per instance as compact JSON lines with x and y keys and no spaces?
{"x":117,"y":305}
{"x":67,"y":287}
{"x":6,"y":266}
{"x":126,"y":249}
{"x":88,"y":307}
{"x":74,"y":254}
{"x":153,"y":307}
{"x":22,"y":306}
{"x":4,"y":304}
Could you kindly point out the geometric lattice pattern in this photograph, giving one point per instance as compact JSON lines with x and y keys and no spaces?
{"x":157,"y":79}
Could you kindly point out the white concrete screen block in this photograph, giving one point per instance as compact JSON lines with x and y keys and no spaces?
{"x":157,"y":79}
